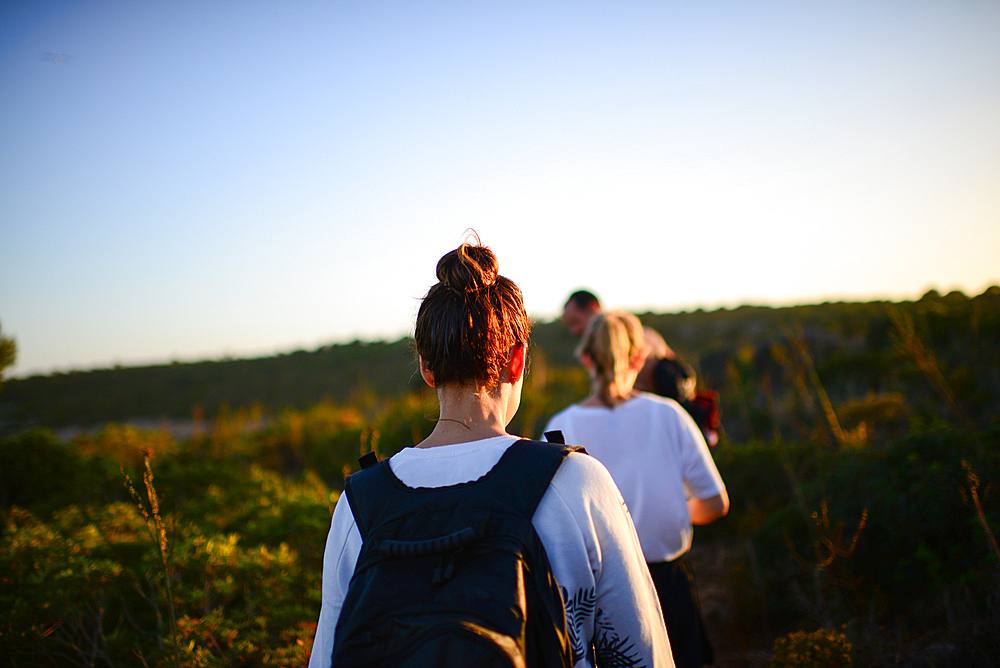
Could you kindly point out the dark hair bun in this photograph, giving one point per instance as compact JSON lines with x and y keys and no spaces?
{"x":468,"y":268}
{"x":469,"y":319}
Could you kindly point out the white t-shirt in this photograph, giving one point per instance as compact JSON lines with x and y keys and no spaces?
{"x":658,"y":458}
{"x":588,"y":536}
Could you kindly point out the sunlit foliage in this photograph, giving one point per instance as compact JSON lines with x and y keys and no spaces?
{"x":861,"y":455}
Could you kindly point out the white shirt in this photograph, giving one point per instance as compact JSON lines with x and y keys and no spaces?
{"x":657,"y":457}
{"x":588,"y":536}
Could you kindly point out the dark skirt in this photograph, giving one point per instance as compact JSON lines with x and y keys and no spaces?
{"x":675,"y":586}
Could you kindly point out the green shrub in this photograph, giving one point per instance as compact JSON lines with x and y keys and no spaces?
{"x":245,"y":563}
{"x":42,"y":474}
{"x":823,"y":648}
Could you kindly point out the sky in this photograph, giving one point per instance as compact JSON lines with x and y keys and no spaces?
{"x":186,"y":181}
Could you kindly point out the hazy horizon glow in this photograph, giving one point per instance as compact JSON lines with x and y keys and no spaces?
{"x":181,"y":181}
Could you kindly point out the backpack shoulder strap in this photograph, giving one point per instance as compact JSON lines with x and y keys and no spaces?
{"x":369,"y":491}
{"x":524,"y":472}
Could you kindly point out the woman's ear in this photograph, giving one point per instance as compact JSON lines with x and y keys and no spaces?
{"x":587,"y":361}
{"x":518,"y":361}
{"x":425,"y":373}
{"x":638,"y":361}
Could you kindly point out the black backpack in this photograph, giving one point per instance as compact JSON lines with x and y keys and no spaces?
{"x":671,"y":378}
{"x":454,"y":576}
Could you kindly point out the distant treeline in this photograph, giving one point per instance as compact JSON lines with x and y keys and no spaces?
{"x":180,"y":390}
{"x":776,"y":370}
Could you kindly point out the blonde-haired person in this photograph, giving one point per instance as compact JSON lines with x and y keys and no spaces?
{"x":660,"y":462}
{"x":471,"y":337}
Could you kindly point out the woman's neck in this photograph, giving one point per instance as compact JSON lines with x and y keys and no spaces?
{"x":610,"y":399}
{"x":467,"y":416}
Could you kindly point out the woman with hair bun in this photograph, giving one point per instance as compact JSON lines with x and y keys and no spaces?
{"x":471,"y":338}
{"x":661,"y":463}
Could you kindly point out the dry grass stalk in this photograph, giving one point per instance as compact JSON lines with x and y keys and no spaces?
{"x":909,"y":343}
{"x":158,"y":534}
{"x":973,"y":481}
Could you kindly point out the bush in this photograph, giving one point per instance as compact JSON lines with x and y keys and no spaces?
{"x":823,"y":648}
{"x":241,"y":567}
{"x":39,"y":472}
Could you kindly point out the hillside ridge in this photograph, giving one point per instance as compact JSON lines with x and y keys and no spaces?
{"x":858,"y":336}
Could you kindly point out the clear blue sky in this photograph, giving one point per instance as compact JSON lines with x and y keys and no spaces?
{"x":192,"y":180}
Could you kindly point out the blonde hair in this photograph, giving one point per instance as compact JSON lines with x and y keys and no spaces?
{"x":613,"y":341}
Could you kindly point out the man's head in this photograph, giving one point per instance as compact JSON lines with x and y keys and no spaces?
{"x":579,"y":309}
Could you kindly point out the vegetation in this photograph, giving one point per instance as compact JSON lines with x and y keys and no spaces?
{"x":8,"y":354}
{"x":823,"y":648}
{"x":860,"y":453}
